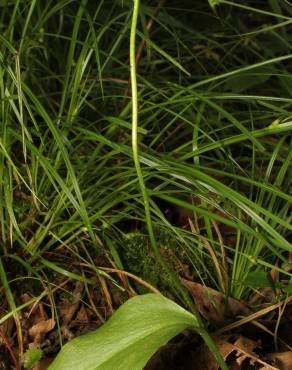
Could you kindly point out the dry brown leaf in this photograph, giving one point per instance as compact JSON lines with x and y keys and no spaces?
{"x":245,"y":347}
{"x":206,"y":359}
{"x":213,"y":305}
{"x":39,"y":330}
{"x":246,"y":351}
{"x":237,"y":352}
{"x":36,"y":322}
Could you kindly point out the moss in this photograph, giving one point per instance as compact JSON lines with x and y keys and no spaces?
{"x":138,"y":258}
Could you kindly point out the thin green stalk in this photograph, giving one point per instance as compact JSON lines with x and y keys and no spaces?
{"x":209,"y":341}
{"x":135,"y":145}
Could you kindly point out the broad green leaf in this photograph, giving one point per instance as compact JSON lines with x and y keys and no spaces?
{"x":130,"y":337}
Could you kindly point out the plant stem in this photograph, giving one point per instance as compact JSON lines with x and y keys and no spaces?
{"x":135,"y":150}
{"x":135,"y":111}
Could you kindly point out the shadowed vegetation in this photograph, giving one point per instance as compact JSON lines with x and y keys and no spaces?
{"x":214,"y":137}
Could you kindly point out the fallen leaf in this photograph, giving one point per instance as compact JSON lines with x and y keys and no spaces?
{"x":214,"y":306}
{"x":205,"y":359}
{"x":237,"y":351}
{"x":35,"y":322}
{"x":245,"y":349}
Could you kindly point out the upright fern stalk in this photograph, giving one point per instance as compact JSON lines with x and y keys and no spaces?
{"x":209,"y":341}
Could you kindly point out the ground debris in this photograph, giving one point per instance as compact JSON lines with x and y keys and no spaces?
{"x":39,"y":330}
{"x":283,"y":360}
{"x":214,"y":306}
{"x":238,"y":352}
{"x":36,"y":323}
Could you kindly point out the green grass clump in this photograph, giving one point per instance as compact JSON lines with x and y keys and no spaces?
{"x":213,"y":138}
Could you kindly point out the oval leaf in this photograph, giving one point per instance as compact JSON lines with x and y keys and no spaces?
{"x":129,"y":338}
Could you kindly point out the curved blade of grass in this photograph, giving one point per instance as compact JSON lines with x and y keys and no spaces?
{"x":65,"y":272}
{"x":232,"y":119}
{"x":189,"y":174}
{"x":284,"y":127}
{"x":59,"y":140}
{"x":256,"y":10}
{"x":163,"y":53}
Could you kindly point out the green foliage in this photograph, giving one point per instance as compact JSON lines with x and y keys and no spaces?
{"x":214,"y":3}
{"x":213,"y":135}
{"x":258,"y":279}
{"x":261,"y":279}
{"x":32,"y":357}
{"x":130,"y":337}
{"x":65,"y":152}
{"x":138,"y":257}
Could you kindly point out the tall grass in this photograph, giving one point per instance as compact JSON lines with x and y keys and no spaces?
{"x":214,"y":138}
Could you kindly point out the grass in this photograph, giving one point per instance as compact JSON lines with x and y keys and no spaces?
{"x":214,"y":138}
